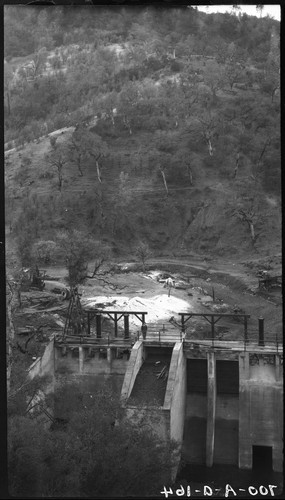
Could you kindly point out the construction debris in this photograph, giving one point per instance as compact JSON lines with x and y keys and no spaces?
{"x":163,"y":374}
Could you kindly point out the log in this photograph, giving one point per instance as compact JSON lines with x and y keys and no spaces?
{"x":162,"y":372}
{"x":25,"y":330}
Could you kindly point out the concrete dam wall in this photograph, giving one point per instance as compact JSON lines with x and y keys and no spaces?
{"x":220,"y":406}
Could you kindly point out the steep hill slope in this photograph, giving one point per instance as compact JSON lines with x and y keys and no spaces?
{"x":167,"y":137}
{"x":198,"y":217}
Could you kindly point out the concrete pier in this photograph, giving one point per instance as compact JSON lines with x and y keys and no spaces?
{"x":245,"y":455}
{"x":81,"y":359}
{"x":260,"y":421}
{"x":211,"y":409}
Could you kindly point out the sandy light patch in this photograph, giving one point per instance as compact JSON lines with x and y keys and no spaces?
{"x":158,"y":308}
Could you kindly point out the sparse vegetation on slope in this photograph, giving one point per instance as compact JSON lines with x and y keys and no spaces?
{"x":176,"y":139}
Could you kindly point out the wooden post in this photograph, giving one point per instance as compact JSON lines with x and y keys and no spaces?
{"x":126,"y":326}
{"x":116,"y":324}
{"x":81,"y":359}
{"x":213,"y":329}
{"x":88,"y":323}
{"x":261,"y":331}
{"x":98,"y":326}
{"x":245,"y":330}
{"x":211,"y":409}
{"x":183,"y":323}
{"x":109,"y":355}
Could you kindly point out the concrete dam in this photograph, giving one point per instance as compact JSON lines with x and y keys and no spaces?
{"x":221,"y":401}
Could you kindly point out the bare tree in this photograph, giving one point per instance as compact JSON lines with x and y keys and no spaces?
{"x":258,"y":163}
{"x":214,"y":78}
{"x":39,"y":61}
{"x":237,"y":164}
{"x":208,"y":126}
{"x":260,"y":8}
{"x":250,"y":217}
{"x":143,"y":253}
{"x":57,"y":159}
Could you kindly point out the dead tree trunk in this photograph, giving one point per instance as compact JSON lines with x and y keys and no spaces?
{"x":262,"y":153}
{"x":190,"y":175}
{"x":248,"y":217}
{"x":60,"y":178}
{"x":210,"y":147}
{"x":79,"y":166}
{"x":127,"y":124}
{"x":8,"y":102}
{"x":236,"y":165}
{"x":207,"y":138}
{"x":252,"y":232}
{"x":10,"y":340}
{"x":98,"y":172}
{"x":164,"y":180}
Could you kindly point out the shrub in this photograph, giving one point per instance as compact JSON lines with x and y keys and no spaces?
{"x":45,"y":251}
{"x":21,"y":175}
{"x":47,"y":175}
{"x":52,"y":141}
{"x":175,"y":66}
{"x":26,"y":161}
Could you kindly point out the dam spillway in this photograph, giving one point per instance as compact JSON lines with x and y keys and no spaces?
{"x":221,"y":402}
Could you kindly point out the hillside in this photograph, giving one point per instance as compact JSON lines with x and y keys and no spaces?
{"x":167,"y":137}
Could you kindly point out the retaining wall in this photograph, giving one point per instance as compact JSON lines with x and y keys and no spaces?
{"x":134,"y":364}
{"x":45,"y":365}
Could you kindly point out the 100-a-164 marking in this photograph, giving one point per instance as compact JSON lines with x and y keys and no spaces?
{"x":229,"y":491}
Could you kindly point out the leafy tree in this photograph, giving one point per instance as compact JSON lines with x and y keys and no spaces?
{"x":24,"y":242}
{"x":78,"y":249}
{"x":78,"y":459}
{"x":213,"y":77}
{"x":122,"y":206}
{"x":85,"y":145}
{"x":44,"y":251}
{"x":19,"y":35}
{"x":108,"y":105}
{"x":40,"y":61}
{"x":189,"y":85}
{"x":128,"y":100}
{"x":270,"y":79}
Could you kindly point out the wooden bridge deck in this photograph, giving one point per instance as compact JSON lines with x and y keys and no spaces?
{"x":169,"y":338}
